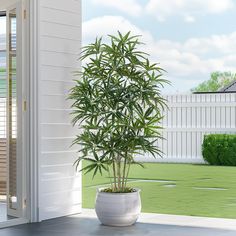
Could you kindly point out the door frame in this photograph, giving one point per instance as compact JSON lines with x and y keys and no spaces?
{"x":33,"y":128}
{"x":30,"y":129}
{"x":30,"y":94}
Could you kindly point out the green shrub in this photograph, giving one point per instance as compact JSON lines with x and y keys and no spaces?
{"x":219,"y":149}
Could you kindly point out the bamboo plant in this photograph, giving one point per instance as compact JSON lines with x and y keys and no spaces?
{"x":118,"y":106}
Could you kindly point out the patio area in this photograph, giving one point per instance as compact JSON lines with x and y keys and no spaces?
{"x":149,"y":224}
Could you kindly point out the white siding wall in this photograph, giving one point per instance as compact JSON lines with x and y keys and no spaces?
{"x":59,"y":40}
{"x":188,"y":119}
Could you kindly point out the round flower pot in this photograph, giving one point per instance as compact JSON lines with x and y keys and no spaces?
{"x":118,"y":209}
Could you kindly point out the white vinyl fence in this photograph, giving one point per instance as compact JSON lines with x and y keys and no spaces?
{"x":188,"y":119}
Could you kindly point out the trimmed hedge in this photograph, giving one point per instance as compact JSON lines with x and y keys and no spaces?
{"x":219,"y":149}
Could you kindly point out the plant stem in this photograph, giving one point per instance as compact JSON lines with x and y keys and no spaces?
{"x":118,"y":174}
{"x":127,"y":174}
{"x":124,"y":170}
{"x":109,"y":176}
{"x":114,"y":173}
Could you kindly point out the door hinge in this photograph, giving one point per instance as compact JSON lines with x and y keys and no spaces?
{"x":24,"y":106}
{"x":24,"y":14}
{"x":25,"y":202}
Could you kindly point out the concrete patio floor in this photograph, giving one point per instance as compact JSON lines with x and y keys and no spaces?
{"x":148,"y":224}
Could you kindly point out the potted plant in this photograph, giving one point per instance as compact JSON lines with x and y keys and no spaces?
{"x":118,"y":106}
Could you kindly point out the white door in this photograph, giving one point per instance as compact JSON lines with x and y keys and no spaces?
{"x":14,"y":110}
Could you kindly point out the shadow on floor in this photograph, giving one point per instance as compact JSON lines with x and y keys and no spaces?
{"x":78,"y":226}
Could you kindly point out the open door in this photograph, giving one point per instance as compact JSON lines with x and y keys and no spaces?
{"x":14,"y":110}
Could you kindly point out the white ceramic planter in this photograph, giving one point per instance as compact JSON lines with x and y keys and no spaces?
{"x":118,"y":209}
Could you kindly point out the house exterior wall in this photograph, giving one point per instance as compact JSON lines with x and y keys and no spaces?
{"x":188,"y":119}
{"x":58,"y":43}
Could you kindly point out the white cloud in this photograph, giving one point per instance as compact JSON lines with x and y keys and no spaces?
{"x":192,"y":60}
{"x":189,"y":19}
{"x":162,"y":9}
{"x":196,"y":56}
{"x":131,"y":7}
{"x":214,"y":6}
{"x":102,"y":26}
{"x":225,"y":44}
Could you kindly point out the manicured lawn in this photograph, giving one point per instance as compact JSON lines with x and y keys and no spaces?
{"x":186,"y":193}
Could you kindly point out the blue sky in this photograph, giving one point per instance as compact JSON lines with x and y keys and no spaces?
{"x":189,"y":38}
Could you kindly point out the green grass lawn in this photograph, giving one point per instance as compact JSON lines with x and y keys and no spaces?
{"x":186,"y":192}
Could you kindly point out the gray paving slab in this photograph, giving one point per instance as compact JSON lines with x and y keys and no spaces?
{"x":82,"y":226}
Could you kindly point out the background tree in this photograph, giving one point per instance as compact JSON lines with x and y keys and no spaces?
{"x":217,"y":81}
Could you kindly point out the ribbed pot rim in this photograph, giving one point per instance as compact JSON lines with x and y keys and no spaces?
{"x":137,"y":190}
